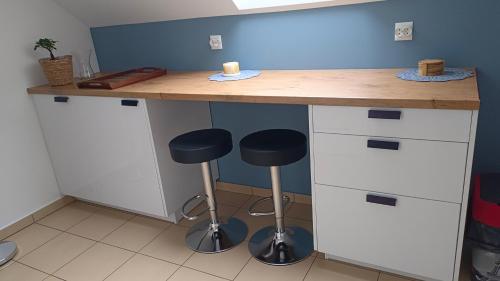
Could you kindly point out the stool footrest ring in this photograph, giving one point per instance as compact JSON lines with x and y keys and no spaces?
{"x":252,"y":212}
{"x":183,"y":210}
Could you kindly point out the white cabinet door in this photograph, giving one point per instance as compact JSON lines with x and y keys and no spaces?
{"x":416,"y":236}
{"x":102,"y":151}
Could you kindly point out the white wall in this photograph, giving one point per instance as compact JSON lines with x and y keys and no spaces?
{"x":114,"y":12}
{"x":27,"y":181}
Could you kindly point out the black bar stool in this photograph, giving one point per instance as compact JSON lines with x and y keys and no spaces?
{"x":277,"y":245}
{"x":200,"y":147}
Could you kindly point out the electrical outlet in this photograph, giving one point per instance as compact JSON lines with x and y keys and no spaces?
{"x":403,"y":31}
{"x":215,"y":42}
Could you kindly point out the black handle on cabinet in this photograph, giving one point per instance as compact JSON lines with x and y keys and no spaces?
{"x":381,"y":200}
{"x":389,"y":145}
{"x":130,"y":102}
{"x":384,"y":114}
{"x":61,"y":99}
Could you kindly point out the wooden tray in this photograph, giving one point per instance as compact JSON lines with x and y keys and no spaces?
{"x":120,"y":79}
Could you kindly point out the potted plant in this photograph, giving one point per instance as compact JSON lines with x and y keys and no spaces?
{"x":58,"y":70}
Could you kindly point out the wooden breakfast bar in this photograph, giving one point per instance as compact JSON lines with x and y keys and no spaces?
{"x":364,"y":87}
{"x":104,"y":144}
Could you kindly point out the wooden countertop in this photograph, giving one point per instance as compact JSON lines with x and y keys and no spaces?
{"x":364,"y":87}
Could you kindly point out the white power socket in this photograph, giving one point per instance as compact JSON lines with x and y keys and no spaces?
{"x":403,"y":31}
{"x":215,"y":42}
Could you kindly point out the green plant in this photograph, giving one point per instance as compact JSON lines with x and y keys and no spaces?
{"x":47,"y":44}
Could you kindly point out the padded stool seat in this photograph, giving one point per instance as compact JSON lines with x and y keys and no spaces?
{"x":216,"y":234}
{"x":201,"y":146}
{"x":275,"y":147}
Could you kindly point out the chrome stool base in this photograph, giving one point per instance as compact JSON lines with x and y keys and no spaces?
{"x":292,"y":246}
{"x":203,"y":237}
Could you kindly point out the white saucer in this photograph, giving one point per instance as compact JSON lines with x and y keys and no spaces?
{"x":231,"y":74}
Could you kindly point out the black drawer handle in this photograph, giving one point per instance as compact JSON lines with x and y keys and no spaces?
{"x":381,"y":200}
{"x":130,"y":102}
{"x":384,"y":114}
{"x":389,"y":145}
{"x":61,"y":99}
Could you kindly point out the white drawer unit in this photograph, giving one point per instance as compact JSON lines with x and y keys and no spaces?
{"x":429,"y":124}
{"x":425,"y":169}
{"x":415,"y":236}
{"x":114,"y":151}
{"x":390,"y":187}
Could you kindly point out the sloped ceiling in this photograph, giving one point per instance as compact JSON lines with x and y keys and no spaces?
{"x":97,"y":13}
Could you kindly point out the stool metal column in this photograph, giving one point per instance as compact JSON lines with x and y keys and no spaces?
{"x":277,"y":199}
{"x":214,"y":234}
{"x":278,"y":244}
{"x":209,"y":191}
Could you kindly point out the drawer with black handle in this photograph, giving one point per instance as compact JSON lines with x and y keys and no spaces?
{"x":418,"y":168}
{"x":428,"y":124}
{"x":406,"y":234}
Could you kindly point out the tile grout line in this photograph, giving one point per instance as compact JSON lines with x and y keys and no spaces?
{"x":200,"y":271}
{"x":37,"y":269}
{"x":125,"y":222}
{"x":94,"y":213}
{"x":120,"y":266}
{"x":101,"y":241}
{"x":33,"y":220}
{"x":86,"y":250}
{"x":55,"y":277}
{"x":111,"y":245}
{"x":156,"y":236}
{"x":310,"y":267}
{"x":170,"y":277}
{"x":171,"y":262}
{"x":65,"y":230}
{"x":93,"y":240}
{"x":138,"y":252}
{"x":192,"y":254}
{"x":59,"y":234}
{"x":158,"y":259}
{"x":246,"y":264}
{"x":51,"y":227}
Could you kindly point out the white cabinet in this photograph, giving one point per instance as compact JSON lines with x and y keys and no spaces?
{"x":415,"y":235}
{"x":390,"y":187}
{"x":102,"y":150}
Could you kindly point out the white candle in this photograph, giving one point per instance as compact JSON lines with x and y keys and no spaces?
{"x":231,"y":68}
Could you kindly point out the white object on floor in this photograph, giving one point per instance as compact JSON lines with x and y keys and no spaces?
{"x":7,"y":251}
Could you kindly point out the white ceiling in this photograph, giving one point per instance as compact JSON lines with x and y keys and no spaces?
{"x":115,"y":12}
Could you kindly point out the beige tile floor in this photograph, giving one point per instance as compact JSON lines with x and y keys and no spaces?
{"x":84,"y":242}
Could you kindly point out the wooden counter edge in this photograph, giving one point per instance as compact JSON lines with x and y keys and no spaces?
{"x":335,"y":101}
{"x":458,"y":104}
{"x":358,"y":102}
{"x":91,"y":93}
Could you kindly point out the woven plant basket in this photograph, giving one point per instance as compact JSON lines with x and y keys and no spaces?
{"x":59,"y":71}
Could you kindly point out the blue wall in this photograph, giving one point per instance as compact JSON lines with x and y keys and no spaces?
{"x":463,"y":32}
